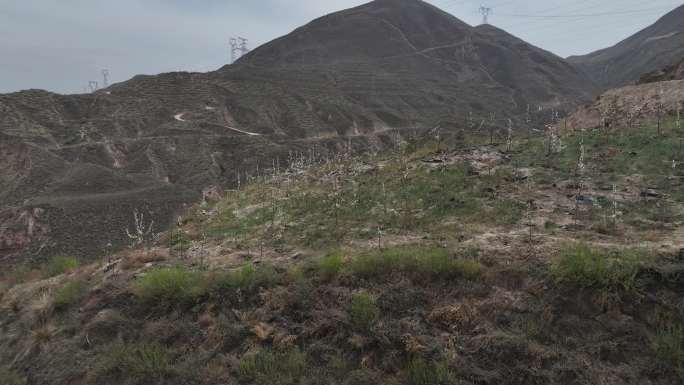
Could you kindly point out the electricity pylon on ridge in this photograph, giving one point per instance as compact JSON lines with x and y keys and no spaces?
{"x":93,"y":85}
{"x":238,"y":48}
{"x":105,"y":78}
{"x":485,"y":12}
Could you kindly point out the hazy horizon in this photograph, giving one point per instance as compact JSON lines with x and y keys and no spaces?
{"x":60,"y":45}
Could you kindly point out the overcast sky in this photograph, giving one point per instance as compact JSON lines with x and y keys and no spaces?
{"x":60,"y":45}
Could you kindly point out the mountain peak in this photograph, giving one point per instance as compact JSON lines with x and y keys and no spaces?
{"x":375,"y":30}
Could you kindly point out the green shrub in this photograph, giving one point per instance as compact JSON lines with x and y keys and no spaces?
{"x":269,"y":367}
{"x":10,"y":377}
{"x":145,"y":363}
{"x":59,"y":265}
{"x":330,"y":266}
{"x":179,"y":242}
{"x":69,"y":294}
{"x":173,"y":285}
{"x":371,"y":266}
{"x":421,"y":372}
{"x":295,"y":274}
{"x":669,"y":345}
{"x":363,"y":312}
{"x":249,"y":278}
{"x":434,"y":262}
{"x":467,"y":268}
{"x":585,"y":266}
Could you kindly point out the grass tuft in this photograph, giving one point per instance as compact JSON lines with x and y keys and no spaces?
{"x":418,"y":262}
{"x":363,"y":312}
{"x":584,"y":266}
{"x":669,"y":345}
{"x":269,"y":367}
{"x":59,"y":265}
{"x":422,"y":372}
{"x":10,"y":377}
{"x":69,"y":294}
{"x":144,"y":363}
{"x":250,"y":278}
{"x":329,"y":266}
{"x":170,"y":286}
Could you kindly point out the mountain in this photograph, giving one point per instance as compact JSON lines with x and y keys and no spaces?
{"x":402,"y":56}
{"x":76,"y":167}
{"x":649,"y":50}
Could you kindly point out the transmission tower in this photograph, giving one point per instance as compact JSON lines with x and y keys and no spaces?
{"x":93,"y":85}
{"x":234,"y":50}
{"x":105,"y":78}
{"x":485,"y":12}
{"x":238,"y":48}
{"x":243,"y":46}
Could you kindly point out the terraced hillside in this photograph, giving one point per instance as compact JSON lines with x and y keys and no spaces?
{"x":76,"y":167}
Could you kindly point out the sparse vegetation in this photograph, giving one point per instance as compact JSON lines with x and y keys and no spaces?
{"x":277,"y":315}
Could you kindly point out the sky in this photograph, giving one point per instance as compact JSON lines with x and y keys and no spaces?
{"x":61,"y":45}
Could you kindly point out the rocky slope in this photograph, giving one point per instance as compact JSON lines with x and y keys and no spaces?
{"x":649,"y":50}
{"x":80,"y":165}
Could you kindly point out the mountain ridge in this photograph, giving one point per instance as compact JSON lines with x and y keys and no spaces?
{"x":633,"y":57}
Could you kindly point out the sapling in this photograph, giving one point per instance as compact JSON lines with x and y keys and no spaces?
{"x":580,"y":174}
{"x":530,"y":206}
{"x":509,"y":136}
{"x":615,"y":206}
{"x":141,"y":232}
{"x":379,"y":238}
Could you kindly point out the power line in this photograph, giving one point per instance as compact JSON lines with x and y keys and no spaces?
{"x":541,"y":23}
{"x":556,"y":22}
{"x":586,"y":14}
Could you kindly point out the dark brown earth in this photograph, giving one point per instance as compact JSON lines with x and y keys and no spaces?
{"x":674,"y":71}
{"x":649,"y":50}
{"x":75,"y":167}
